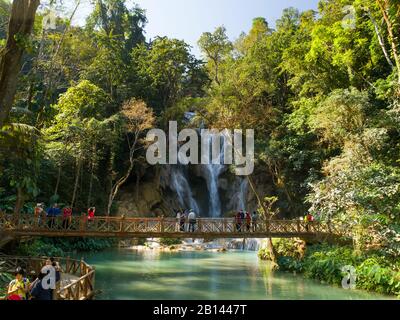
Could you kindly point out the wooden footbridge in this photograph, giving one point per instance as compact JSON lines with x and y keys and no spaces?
{"x":125,"y":228}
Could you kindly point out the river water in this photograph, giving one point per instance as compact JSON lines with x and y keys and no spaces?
{"x":127,"y":274}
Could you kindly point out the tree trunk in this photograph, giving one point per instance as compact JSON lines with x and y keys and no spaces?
{"x":115,"y":188}
{"x":90,"y":184}
{"x":384,"y":6}
{"x":381,"y":40}
{"x":19,"y":203}
{"x":268,"y":216}
{"x":58,"y":179}
{"x":20,"y":25}
{"x":272,"y":251}
{"x":77,"y":175}
{"x":137,"y":186}
{"x":110,"y":199}
{"x":259,"y":200}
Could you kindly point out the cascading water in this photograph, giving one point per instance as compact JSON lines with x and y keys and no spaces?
{"x":182,"y":188}
{"x":212,"y":173}
{"x":242,"y":194}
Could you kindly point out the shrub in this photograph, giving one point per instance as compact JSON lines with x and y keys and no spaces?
{"x":59,"y":247}
{"x":5,"y":279}
{"x":284,"y":247}
{"x":375,"y":272}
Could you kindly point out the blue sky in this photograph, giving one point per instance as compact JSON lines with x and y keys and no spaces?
{"x":188,"y":19}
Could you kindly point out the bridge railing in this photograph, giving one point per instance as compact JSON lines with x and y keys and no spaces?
{"x":81,"y":285}
{"x":159,"y":225}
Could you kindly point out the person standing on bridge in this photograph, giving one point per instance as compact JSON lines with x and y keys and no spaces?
{"x":254,"y":220}
{"x":308,"y":219}
{"x":192,"y":220}
{"x":38,"y":212}
{"x":248,"y":221}
{"x":52,"y":213}
{"x":178,"y":219}
{"x":242,"y":220}
{"x":238,"y":221}
{"x":91,"y":212}
{"x":67,"y":217}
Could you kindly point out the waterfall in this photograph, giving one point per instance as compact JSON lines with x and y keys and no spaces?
{"x":211,"y":191}
{"x":242,"y":194}
{"x":182,"y":188}
{"x":212,"y":173}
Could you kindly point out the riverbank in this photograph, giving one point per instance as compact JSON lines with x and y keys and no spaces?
{"x":374,"y":272}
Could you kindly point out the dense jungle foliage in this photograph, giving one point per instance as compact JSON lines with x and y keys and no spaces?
{"x":373,"y":271}
{"x":321,"y":89}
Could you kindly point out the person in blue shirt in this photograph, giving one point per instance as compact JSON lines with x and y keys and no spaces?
{"x":52,"y":213}
{"x":38,"y":292}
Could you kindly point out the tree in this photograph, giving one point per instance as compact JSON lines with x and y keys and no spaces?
{"x":341,"y":116}
{"x":137,"y":119}
{"x":391,"y":15}
{"x":108,"y":69}
{"x":257,"y":34}
{"x":215,"y":46}
{"x":20,"y":26}
{"x":78,"y":124}
{"x":119,"y":23}
{"x":20,"y":155}
{"x":162,"y":70}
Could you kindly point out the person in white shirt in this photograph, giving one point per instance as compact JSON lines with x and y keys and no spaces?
{"x":178,"y":219}
{"x":192,"y":220}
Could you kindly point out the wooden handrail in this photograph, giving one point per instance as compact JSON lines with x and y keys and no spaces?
{"x":104,"y":226}
{"x":75,"y":281}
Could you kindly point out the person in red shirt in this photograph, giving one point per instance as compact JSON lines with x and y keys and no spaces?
{"x":248,"y":221}
{"x":91,"y":212}
{"x":67,"y":217}
{"x":39,"y":210}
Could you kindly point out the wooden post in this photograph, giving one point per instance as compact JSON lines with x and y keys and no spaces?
{"x":93,"y":280}
{"x":121,"y":224}
{"x":162,"y":224}
{"x":67,"y":265}
{"x":83,"y":222}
